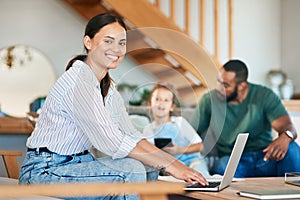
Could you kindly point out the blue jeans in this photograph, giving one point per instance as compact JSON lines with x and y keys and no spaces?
{"x":253,"y":165}
{"x":43,"y":167}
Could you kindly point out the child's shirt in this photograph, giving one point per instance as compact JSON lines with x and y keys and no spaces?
{"x":181,"y":133}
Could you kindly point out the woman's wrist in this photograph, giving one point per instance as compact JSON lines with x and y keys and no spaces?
{"x":170,"y":168}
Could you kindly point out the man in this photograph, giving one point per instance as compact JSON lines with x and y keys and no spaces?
{"x":237,"y":106}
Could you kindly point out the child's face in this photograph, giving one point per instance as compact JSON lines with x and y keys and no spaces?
{"x":162,"y":102}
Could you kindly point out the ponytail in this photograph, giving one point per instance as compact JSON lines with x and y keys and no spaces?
{"x":105,"y":82}
{"x":105,"y":85}
{"x":78,"y":57}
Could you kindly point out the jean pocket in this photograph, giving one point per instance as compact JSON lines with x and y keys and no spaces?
{"x":262,"y":164}
{"x":59,"y":160}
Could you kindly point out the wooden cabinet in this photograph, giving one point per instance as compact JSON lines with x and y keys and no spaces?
{"x":292,"y":105}
{"x":15,"y":125}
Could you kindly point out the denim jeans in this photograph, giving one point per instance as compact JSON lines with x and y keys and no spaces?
{"x":43,"y":167}
{"x":253,"y":165}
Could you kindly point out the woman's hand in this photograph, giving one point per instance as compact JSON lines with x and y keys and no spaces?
{"x":150,"y":155}
{"x":182,"y":172}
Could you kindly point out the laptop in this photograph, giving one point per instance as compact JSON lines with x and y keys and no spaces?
{"x":229,"y":171}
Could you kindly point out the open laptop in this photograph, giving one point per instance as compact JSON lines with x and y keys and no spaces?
{"x":229,"y":171}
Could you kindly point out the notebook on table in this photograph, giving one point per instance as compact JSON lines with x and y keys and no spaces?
{"x":229,"y":171}
{"x":271,"y":194}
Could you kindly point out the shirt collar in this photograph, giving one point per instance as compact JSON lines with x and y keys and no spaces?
{"x":83,"y":66}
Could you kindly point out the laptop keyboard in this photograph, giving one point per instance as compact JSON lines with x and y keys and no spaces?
{"x":211,"y":185}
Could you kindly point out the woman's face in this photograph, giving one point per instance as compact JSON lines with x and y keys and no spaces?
{"x":108,"y":47}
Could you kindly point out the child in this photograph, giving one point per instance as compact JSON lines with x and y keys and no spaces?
{"x":186,"y":143}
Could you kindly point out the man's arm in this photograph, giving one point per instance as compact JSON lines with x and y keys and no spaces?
{"x":278,"y":148}
{"x":283,"y":124}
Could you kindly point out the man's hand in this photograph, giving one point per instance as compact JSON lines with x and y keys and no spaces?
{"x":278,"y":148}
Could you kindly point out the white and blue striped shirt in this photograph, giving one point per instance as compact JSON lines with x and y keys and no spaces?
{"x":74,"y":117}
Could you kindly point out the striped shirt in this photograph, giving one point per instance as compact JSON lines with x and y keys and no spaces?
{"x":74,"y":117}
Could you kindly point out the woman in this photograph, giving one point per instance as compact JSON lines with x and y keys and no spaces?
{"x":83,"y":109}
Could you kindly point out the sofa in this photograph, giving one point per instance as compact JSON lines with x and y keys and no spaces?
{"x":141,"y":116}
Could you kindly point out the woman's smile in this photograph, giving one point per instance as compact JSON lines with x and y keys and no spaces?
{"x":112,"y":57}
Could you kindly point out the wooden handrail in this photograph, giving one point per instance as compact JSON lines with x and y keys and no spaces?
{"x":202,"y":18}
{"x":149,"y":190}
{"x":187,"y":16}
{"x":216,"y":26}
{"x":202,"y":21}
{"x":157,"y":3}
{"x":172,"y":10}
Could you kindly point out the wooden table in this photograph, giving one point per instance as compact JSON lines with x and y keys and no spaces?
{"x":146,"y":191}
{"x":247,"y":184}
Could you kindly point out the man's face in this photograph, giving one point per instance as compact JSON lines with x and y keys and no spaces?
{"x":227,"y":86}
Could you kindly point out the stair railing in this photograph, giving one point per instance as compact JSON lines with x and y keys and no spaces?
{"x":202,"y":11}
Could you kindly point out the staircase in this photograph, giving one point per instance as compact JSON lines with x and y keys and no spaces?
{"x":160,"y":46}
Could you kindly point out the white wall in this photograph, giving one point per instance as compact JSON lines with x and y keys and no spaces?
{"x":290,"y":40}
{"x":45,"y":25}
{"x":257,"y":36}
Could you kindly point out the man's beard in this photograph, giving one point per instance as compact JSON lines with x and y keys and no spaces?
{"x":232,"y":96}
{"x":229,"y":98}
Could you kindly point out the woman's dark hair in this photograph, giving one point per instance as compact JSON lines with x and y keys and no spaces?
{"x":93,"y":27}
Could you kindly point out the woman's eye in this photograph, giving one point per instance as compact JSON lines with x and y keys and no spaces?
{"x":108,"y":41}
{"x":123,"y":43}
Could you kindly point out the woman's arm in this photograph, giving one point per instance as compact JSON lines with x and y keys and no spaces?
{"x":193,"y":148}
{"x":156,"y":158}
